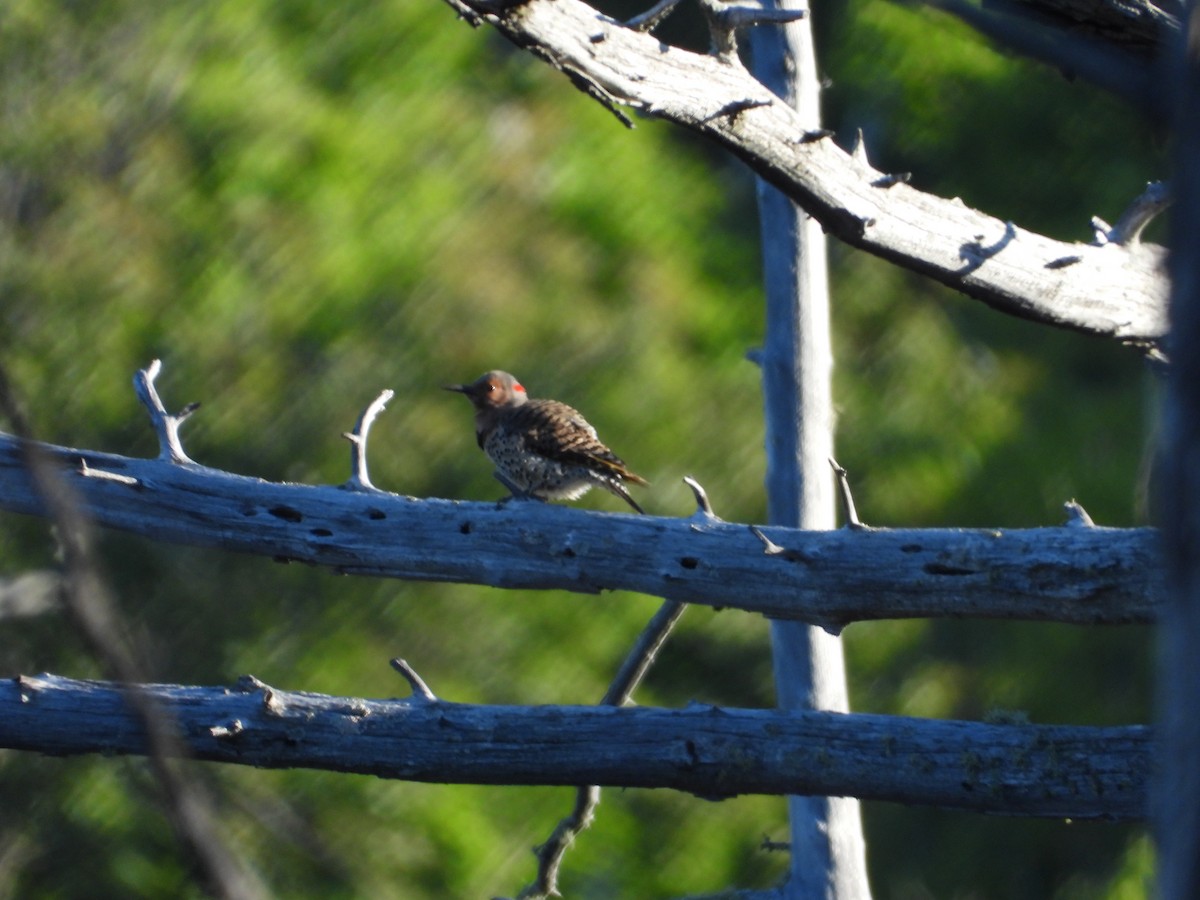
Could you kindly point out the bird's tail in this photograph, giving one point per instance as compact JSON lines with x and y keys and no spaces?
{"x":617,"y":488}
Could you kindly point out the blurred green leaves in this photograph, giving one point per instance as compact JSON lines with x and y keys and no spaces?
{"x":297,"y":204}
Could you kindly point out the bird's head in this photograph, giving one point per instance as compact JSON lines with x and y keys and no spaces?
{"x":492,"y":390}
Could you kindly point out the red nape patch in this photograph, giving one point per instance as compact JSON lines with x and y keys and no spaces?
{"x":519,"y":387}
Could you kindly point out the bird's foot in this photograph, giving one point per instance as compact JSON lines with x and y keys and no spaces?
{"x":518,"y":493}
{"x":519,"y":497}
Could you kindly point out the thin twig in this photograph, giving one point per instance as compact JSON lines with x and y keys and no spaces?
{"x":639,"y":660}
{"x":633,"y":670}
{"x":550,"y":853}
{"x":103,"y":475}
{"x":587,"y":797}
{"x":852,"y":519}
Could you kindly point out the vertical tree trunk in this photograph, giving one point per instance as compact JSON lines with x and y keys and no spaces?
{"x":1178,"y":789}
{"x":828,"y":853}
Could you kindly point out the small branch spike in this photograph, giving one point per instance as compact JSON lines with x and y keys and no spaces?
{"x":860,"y":149}
{"x":1141,"y":212}
{"x":725,"y":20}
{"x":170,"y":449}
{"x":703,"y":505}
{"x":650,"y":19}
{"x":852,"y":519}
{"x":420,"y":690}
{"x":360,"y":480}
{"x":87,"y":471}
{"x":1077,"y":516}
{"x":770,"y":548}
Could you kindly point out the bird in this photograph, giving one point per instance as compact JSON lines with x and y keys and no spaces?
{"x":542,"y":449}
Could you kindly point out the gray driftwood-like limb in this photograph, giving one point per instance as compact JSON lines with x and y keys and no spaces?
{"x":1115,"y":290}
{"x":166,"y":425}
{"x":360,"y":479}
{"x":828,"y":578}
{"x":1032,"y":770}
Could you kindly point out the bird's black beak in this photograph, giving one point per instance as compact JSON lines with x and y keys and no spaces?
{"x":457,"y":388}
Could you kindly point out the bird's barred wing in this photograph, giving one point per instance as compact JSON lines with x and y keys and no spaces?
{"x":557,"y":431}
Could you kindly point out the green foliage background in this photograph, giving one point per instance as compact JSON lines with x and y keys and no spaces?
{"x":296,"y":204}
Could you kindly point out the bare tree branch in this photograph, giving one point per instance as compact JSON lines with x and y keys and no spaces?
{"x":828,"y":578}
{"x":1018,"y":769}
{"x":1113,"y":290}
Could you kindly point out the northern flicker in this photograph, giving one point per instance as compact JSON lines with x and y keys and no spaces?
{"x":541,"y":448}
